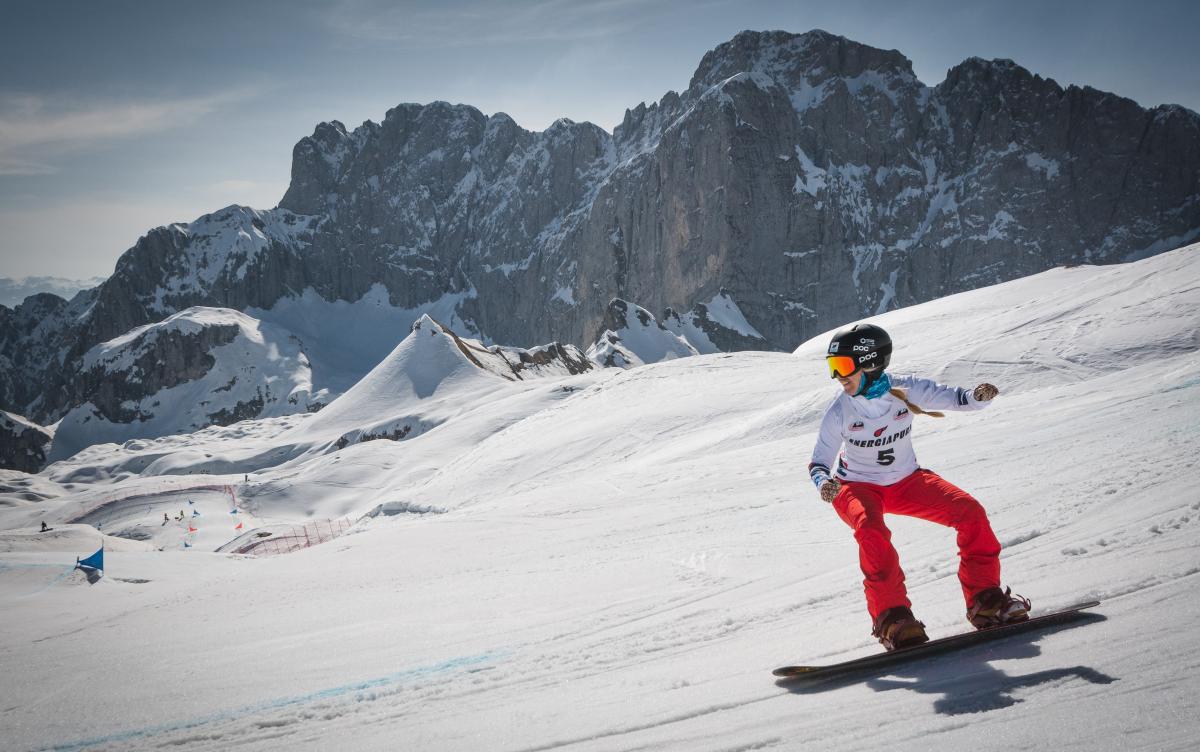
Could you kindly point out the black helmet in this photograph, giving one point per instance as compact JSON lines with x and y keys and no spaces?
{"x":866,"y":345}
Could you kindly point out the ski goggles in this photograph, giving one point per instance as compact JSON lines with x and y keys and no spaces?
{"x":841,"y":366}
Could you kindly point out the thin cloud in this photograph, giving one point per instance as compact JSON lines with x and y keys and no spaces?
{"x":34,"y":129}
{"x":474,"y":23}
{"x":10,"y":165}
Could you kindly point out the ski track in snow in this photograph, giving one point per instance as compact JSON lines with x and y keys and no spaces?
{"x":369,"y":689}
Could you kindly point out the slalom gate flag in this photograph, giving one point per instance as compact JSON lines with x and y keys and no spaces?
{"x":195,"y":512}
{"x":191,"y":502}
{"x":233,"y":511}
{"x":95,"y":561}
{"x":237,"y":526}
{"x":187,"y":545}
{"x":192,"y":529}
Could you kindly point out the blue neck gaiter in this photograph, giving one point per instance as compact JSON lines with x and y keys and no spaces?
{"x":878,"y":386}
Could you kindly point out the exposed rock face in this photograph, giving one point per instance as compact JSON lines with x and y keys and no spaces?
{"x":38,"y":340}
{"x":630,"y":336}
{"x":23,"y":444}
{"x":806,"y":180}
{"x":715,"y":326}
{"x":200,"y":367}
{"x":160,"y":360}
{"x":552,"y":359}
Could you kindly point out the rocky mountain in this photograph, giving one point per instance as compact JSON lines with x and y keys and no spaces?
{"x":715,"y":326}
{"x":631,"y":336}
{"x":196,"y":368}
{"x":23,"y":444}
{"x":799,"y":181}
{"x":216,"y":366}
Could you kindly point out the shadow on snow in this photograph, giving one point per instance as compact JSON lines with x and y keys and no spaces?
{"x":965,"y":679}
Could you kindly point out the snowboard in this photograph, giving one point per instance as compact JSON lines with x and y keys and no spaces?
{"x":933,"y":647}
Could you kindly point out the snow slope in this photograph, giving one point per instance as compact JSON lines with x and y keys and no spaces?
{"x":431,"y":376}
{"x":616,"y":560}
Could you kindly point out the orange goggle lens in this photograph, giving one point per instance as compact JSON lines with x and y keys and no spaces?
{"x":841,"y":365}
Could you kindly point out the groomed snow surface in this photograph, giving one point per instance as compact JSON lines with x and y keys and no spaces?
{"x":617,"y":560}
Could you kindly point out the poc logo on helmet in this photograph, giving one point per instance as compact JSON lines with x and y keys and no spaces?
{"x":865,"y":341}
{"x":865,"y":358}
{"x":861,"y":348}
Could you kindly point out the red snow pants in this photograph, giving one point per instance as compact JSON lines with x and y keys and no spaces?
{"x":926,"y":495}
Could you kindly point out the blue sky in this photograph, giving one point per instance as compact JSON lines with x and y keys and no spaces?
{"x":118,"y":116}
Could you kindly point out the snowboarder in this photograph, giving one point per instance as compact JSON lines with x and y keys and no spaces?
{"x":165,"y":518}
{"x":864,"y":466}
{"x":45,"y":528}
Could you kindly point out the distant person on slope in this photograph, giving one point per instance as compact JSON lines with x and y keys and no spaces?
{"x":864,"y":466}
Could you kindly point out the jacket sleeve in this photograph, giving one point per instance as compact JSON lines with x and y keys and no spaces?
{"x":930,"y":395}
{"x":829,"y":443}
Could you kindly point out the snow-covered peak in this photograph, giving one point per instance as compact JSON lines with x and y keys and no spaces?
{"x":805,"y":69}
{"x":431,"y":364}
{"x":792,"y":60}
{"x":631,"y":336}
{"x":222,"y":245}
{"x":999,"y":79}
{"x":999,"y":64}
{"x":427,"y":323}
{"x":425,"y":358}
{"x":430,"y":377}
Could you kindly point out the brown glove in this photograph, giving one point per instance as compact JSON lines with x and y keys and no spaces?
{"x":985,"y":392}
{"x":829,"y":489}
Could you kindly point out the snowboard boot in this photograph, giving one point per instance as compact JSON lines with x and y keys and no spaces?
{"x":897,"y":628}
{"x":994,"y":607}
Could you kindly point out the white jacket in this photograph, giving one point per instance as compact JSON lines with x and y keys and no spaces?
{"x":869,"y":439}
